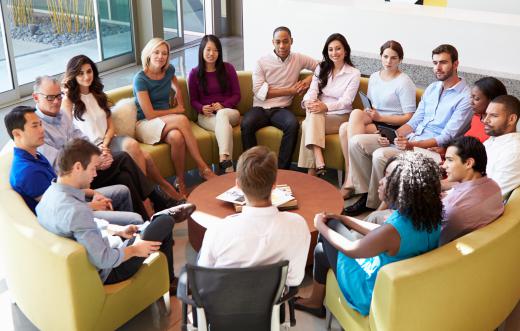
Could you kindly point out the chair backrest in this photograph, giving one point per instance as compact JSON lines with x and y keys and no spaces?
{"x":238,"y":298}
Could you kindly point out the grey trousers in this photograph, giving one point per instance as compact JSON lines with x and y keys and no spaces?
{"x":122,"y":203}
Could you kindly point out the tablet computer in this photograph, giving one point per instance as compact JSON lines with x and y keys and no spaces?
{"x":387,"y":132}
{"x":365,"y":100}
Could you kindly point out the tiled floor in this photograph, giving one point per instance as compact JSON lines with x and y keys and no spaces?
{"x":11,"y":317}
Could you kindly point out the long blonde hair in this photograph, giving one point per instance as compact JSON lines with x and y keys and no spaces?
{"x":148,"y":50}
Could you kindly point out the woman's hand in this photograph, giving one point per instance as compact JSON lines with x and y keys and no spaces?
{"x":217,"y":106}
{"x":208,"y":110}
{"x":383,"y":141}
{"x":374,"y":114}
{"x":316,"y":106}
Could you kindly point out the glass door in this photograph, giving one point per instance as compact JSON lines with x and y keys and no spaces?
{"x":6,"y":82}
{"x":194,"y":20}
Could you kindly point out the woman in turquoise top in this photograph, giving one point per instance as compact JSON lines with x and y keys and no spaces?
{"x":413,"y":191}
{"x":160,"y":110}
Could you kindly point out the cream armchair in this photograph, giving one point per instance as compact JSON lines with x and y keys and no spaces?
{"x":52,"y":281}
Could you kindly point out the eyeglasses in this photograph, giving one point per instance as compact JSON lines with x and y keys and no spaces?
{"x":51,"y":98}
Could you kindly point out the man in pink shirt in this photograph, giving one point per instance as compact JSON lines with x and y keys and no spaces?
{"x":275,"y":83}
{"x":476,"y":200}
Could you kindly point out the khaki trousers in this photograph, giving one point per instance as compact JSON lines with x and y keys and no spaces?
{"x":222,"y":124}
{"x":314,"y":129}
{"x":367,"y":163}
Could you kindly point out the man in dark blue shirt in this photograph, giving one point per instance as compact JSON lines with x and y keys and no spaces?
{"x":31,"y":173}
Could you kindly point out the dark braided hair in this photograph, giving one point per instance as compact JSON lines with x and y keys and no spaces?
{"x":414,"y":189}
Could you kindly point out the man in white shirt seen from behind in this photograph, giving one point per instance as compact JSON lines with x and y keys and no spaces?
{"x":261,"y":234}
{"x":503,"y":145}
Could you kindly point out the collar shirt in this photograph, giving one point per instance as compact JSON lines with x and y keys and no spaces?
{"x":442,"y":114}
{"x":503,"y":161}
{"x":469,"y":206}
{"x":271,"y":71}
{"x":58,"y":131}
{"x":340,"y":91}
{"x":258,"y":236}
{"x":30,"y":176}
{"x":64,"y":212}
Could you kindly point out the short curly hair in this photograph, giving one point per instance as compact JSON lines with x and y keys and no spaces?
{"x":414,"y":189}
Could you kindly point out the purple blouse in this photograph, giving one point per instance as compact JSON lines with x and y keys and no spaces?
{"x":228,"y":99}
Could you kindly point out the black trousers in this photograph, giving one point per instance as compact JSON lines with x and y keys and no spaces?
{"x":281,"y":118}
{"x":124,"y":171}
{"x":160,"y":229}
{"x":326,"y":255}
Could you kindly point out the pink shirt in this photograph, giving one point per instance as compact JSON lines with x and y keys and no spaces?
{"x":340,"y":91}
{"x":468,"y":206}
{"x":271,"y":71}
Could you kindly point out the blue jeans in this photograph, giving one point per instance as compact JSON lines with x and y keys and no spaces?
{"x":122,"y":203}
{"x":281,"y":118}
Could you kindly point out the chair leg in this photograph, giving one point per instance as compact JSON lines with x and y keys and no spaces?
{"x":340,"y":178}
{"x":166,"y":301}
{"x":292,"y":316}
{"x":328,"y":320}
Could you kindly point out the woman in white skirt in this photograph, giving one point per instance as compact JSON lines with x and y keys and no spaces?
{"x":160,"y":110}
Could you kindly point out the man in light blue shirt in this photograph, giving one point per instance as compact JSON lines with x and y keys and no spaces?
{"x":116,"y":251}
{"x":443,"y":114}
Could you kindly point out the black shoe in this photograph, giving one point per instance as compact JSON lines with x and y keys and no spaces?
{"x":358,"y":207}
{"x":321,"y":171}
{"x":318,"y":312}
{"x":223,"y":165}
{"x":161,"y":200}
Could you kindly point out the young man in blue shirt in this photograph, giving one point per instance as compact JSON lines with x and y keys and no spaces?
{"x":443,"y":114}
{"x":31,"y":172}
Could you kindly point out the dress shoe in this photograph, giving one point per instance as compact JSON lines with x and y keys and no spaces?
{"x":179,"y":213}
{"x":358,"y":207}
{"x":318,"y":312}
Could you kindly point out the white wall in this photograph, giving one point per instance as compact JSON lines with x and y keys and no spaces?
{"x":488,"y":43}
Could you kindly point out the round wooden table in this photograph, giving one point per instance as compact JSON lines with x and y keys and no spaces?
{"x":314,"y":195}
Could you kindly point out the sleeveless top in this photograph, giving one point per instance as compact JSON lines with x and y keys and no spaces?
{"x":94,"y":124}
{"x":357,"y":277}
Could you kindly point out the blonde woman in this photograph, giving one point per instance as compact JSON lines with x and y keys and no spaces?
{"x":160,"y":111}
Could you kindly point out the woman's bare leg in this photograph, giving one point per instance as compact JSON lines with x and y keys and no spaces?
{"x":175,"y":139}
{"x":131,"y":146}
{"x":318,"y":156}
{"x":359,"y":123}
{"x":181,"y":123}
{"x":155,"y":175}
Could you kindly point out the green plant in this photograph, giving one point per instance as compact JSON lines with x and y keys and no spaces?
{"x":66,"y":17}
{"x":21,"y":11}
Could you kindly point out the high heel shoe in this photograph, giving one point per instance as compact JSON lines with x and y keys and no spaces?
{"x":321,"y":171}
{"x":207,"y":174}
{"x":181,"y":187}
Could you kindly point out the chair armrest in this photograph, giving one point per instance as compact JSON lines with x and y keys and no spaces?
{"x":182,"y":288}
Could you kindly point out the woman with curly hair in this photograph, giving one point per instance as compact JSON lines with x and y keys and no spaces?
{"x":327,"y":102}
{"x":89,"y":107}
{"x":412,"y":190}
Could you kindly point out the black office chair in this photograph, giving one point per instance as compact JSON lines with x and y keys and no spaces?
{"x":235,"y":298}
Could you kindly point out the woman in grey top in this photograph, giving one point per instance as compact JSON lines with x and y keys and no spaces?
{"x":392,"y":94}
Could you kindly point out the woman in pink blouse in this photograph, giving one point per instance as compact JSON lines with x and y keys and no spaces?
{"x":327,"y":102}
{"x":215,"y":93}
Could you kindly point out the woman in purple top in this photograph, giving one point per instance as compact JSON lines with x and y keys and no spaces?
{"x":215,"y":93}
